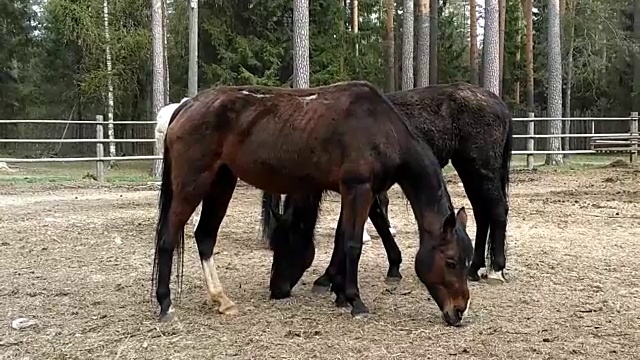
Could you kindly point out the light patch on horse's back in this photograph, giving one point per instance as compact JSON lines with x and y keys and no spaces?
{"x":473,"y":95}
{"x":254,"y":94}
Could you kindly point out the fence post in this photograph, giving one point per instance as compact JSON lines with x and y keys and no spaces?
{"x":633,"y":129}
{"x":530,"y":140}
{"x":99,"y":148}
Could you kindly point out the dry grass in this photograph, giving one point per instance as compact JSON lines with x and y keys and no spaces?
{"x":78,"y":260}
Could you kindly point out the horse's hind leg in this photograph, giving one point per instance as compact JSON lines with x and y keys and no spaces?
{"x":214,"y":208}
{"x":182,"y":205}
{"x":482,"y":186}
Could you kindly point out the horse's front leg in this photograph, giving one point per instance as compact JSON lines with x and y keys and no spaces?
{"x":322,"y":284}
{"x":356,"y":202}
{"x":377,"y":215}
{"x":380,"y":222}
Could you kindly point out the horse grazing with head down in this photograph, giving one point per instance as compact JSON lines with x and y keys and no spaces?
{"x":297,"y":224}
{"x":471,"y":127}
{"x":345,"y":138}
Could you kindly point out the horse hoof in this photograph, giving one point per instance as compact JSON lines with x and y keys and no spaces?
{"x":228,"y":309}
{"x":494,"y":278}
{"x":473,"y":276}
{"x":390,"y":280}
{"x":341,"y":302}
{"x":168,"y":316}
{"x":359,"y":311}
{"x":319,"y":289}
{"x":361,"y":316}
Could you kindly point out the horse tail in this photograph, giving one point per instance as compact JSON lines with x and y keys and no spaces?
{"x":164,"y":206}
{"x":270,"y":203}
{"x":506,"y":160}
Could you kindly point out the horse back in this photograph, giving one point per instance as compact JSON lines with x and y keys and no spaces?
{"x":454,"y":117}
{"x":297,"y":134}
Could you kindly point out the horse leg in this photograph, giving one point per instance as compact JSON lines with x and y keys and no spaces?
{"x":171,"y":227}
{"x":383,"y":197}
{"x":376,"y":214}
{"x":380,"y":222}
{"x":497,"y":237}
{"x":489,"y":210}
{"x":323,"y":284}
{"x":214,"y":208}
{"x":356,"y":202}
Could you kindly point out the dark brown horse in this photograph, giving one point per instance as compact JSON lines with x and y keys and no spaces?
{"x":472,"y":127}
{"x":345,"y":138}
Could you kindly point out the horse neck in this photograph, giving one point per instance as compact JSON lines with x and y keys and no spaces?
{"x":422,"y":183}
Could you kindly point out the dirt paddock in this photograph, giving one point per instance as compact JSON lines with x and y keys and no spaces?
{"x":78,"y":261}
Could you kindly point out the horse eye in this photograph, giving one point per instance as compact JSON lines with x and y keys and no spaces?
{"x":451,"y":264}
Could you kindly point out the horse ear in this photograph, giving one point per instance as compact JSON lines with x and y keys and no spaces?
{"x":461,"y":216}
{"x":449,"y":225}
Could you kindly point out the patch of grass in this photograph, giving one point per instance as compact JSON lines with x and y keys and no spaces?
{"x":126,"y":172}
{"x":132,"y":172}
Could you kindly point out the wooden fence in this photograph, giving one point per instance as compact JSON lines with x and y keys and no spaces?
{"x":527,"y":135}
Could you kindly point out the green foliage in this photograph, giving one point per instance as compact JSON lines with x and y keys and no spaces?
{"x":52,"y":63}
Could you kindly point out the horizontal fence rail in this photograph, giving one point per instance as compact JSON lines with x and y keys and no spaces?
{"x":629,"y":142}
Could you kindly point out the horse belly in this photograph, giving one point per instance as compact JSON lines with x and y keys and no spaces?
{"x":281,"y":175}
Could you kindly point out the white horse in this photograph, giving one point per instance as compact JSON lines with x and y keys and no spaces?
{"x":162,"y":123}
{"x":164,"y":115}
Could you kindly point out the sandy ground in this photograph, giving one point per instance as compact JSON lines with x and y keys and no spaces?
{"x":78,"y":260}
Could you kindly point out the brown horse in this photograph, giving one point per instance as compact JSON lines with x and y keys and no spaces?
{"x":345,"y":138}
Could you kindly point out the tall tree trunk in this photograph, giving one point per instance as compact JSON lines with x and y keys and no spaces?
{"x":491,"y":47}
{"x":517,"y":79}
{"x":390,"y":47}
{"x":192,"y":84}
{"x":433,"y":41}
{"x":157,"y":42}
{"x":354,"y":24}
{"x":407,"y":45}
{"x":636,"y":59}
{"x":110,"y":127}
{"x":502,"y":14}
{"x":554,"y":91}
{"x":570,"y":19}
{"x":165,"y":57}
{"x":300,"y":43}
{"x":422,"y":78}
{"x":473,"y":42}
{"x":528,"y":15}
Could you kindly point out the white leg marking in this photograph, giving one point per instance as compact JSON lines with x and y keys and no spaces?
{"x":466,"y":311}
{"x":365,"y":235}
{"x":171,"y":310}
{"x":195,"y":218}
{"x":392,"y":230}
{"x":494,"y":277}
{"x":215,"y":290}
